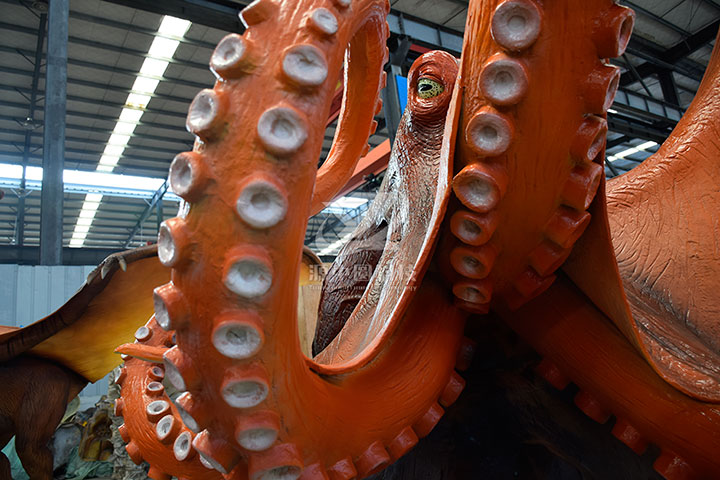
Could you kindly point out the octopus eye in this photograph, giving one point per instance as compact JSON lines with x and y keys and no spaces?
{"x":428,"y":88}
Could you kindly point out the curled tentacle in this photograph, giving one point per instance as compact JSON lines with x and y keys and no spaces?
{"x":236,"y":249}
{"x":378,"y":268}
{"x":524,"y":181}
{"x":153,"y":428}
{"x":656,"y":252}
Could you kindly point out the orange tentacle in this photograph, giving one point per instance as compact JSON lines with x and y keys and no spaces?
{"x":153,"y":429}
{"x":575,"y":338}
{"x":235,"y":256}
{"x":524,"y":180}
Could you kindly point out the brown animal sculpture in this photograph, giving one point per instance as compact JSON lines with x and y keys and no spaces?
{"x":35,"y":392}
{"x":45,"y":365}
{"x":383,"y":249}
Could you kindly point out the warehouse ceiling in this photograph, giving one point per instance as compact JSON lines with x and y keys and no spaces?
{"x":108,"y":47}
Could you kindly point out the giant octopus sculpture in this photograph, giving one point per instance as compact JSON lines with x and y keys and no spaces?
{"x":503,"y":189}
{"x":495,"y":182}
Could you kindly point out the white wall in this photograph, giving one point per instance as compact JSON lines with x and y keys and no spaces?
{"x":29,"y":293}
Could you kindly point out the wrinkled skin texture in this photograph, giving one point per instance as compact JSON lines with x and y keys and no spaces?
{"x":673,"y":284}
{"x":382,"y":250}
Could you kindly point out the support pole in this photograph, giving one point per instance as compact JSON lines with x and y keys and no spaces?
{"x":399,"y":48}
{"x":30,"y":125}
{"x":51,"y":206}
{"x":154,"y":201}
{"x":391,"y":103}
{"x":159,"y":214}
{"x":669,"y":88}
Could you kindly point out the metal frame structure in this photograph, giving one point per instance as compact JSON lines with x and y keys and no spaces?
{"x":107,"y":41}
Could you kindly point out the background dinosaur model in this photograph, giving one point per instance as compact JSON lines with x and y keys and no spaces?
{"x":45,"y":365}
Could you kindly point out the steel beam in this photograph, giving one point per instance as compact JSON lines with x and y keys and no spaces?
{"x":660,"y":20}
{"x":217,"y":13}
{"x":101,"y":143}
{"x":156,"y":198}
{"x":425,"y":33}
{"x":159,"y":216}
{"x":373,"y":163}
{"x":28,"y":255}
{"x":30,"y":120}
{"x":617,"y":141}
{"x":72,"y":40}
{"x":223,"y":15}
{"x":391,"y":103}
{"x":612,"y":168}
{"x":648,"y":108}
{"x":89,"y":84}
{"x":669,"y":88}
{"x":187,"y":142}
{"x":106,"y":22}
{"x":51,"y":209}
{"x":114,"y":69}
{"x":673,"y":58}
{"x":390,"y":95}
{"x":712,"y":3}
{"x":637,"y":129}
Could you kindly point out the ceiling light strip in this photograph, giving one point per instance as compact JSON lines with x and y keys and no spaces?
{"x":160,"y":54}
{"x":630,"y":151}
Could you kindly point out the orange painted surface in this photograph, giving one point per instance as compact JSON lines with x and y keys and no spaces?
{"x":141,"y":381}
{"x":373,"y":163}
{"x":663,"y":228}
{"x":113,"y":315}
{"x":527,"y":156}
{"x":232,"y":299}
{"x":581,"y":342}
{"x":411,"y":201}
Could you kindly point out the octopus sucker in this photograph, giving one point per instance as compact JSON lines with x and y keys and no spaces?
{"x":153,"y":426}
{"x":501,"y":170}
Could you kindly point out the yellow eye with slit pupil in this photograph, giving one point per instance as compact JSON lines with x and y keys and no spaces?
{"x":429,"y":88}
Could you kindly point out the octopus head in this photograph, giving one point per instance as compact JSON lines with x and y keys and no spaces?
{"x":430,"y":84}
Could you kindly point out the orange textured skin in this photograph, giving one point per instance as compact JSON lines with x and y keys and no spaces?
{"x":663,"y":230}
{"x":233,"y":270}
{"x":141,"y":381}
{"x":525,"y":192}
{"x":570,"y":332}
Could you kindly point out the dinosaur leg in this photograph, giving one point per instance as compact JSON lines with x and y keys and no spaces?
{"x":49,"y":388}
{"x":36,"y":457}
